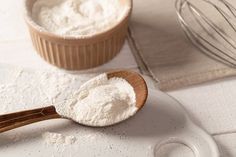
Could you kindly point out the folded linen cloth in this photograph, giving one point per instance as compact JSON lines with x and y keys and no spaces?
{"x":162,"y":50}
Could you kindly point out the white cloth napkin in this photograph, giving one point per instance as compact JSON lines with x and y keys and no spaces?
{"x":163,"y":51}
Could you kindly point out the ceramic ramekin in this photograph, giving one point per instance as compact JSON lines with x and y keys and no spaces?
{"x":74,"y":53}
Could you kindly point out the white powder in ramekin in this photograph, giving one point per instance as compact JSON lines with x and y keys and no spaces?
{"x":101,"y":102}
{"x":79,"y":17}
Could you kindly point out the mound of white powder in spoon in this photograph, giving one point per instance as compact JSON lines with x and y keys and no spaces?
{"x":100,"y":102}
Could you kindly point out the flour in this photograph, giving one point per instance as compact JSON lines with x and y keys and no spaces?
{"x":79,"y":17}
{"x":56,"y":139}
{"x":101,"y":102}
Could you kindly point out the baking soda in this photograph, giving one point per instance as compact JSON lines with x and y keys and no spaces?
{"x":101,"y":102}
{"x":79,"y":17}
{"x":52,"y":138}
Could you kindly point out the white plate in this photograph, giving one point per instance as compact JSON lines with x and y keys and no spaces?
{"x":161,"y":121}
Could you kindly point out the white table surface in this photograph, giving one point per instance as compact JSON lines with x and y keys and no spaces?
{"x":211,"y":105}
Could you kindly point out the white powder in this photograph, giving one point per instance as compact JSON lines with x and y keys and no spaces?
{"x":79,"y":17}
{"x":56,"y":139}
{"x":101,"y":102}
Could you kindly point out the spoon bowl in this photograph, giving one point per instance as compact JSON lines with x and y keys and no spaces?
{"x":137,"y":82}
{"x":18,"y":119}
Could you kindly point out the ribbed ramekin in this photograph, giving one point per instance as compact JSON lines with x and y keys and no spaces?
{"x":75,"y":53}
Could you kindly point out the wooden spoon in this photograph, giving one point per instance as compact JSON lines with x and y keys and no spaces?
{"x":18,"y":119}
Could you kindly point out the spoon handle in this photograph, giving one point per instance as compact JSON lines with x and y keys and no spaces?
{"x":18,"y":119}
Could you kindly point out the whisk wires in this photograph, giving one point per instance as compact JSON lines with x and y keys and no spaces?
{"x":205,"y":33}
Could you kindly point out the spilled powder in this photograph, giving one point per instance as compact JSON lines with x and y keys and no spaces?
{"x":52,"y":138}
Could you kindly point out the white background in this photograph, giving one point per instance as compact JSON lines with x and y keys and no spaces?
{"x":211,"y":105}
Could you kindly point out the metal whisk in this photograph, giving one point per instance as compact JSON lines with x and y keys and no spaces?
{"x":211,"y":26}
